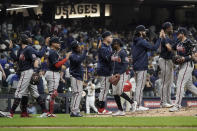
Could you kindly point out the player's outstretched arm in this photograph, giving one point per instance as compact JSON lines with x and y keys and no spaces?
{"x":40,"y":53}
{"x":60,"y":63}
{"x":154,"y":47}
{"x":81,"y":58}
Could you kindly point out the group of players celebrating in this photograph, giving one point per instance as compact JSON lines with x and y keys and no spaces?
{"x":113,"y":62}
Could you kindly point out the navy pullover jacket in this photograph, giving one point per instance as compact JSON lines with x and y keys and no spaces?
{"x":76,"y":69}
{"x":164,"y":51}
{"x":104,"y":60}
{"x":139,"y":53}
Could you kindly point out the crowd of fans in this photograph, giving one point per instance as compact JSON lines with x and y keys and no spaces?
{"x":86,"y":31}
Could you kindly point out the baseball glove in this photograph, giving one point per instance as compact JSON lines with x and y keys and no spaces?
{"x":114,"y":79}
{"x":35,"y":79}
{"x":177,"y":60}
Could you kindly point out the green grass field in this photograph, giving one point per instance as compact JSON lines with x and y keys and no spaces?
{"x":96,"y":129}
{"x":107,"y":123}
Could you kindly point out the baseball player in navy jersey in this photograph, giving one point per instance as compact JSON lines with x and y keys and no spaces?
{"x":104,"y":70}
{"x":184,"y":49}
{"x":140,"y":61}
{"x":166,"y":66}
{"x":24,"y":100}
{"x":76,"y":72}
{"x":120,"y":66}
{"x":52,"y":76}
{"x":28,"y":64}
{"x":30,"y":35}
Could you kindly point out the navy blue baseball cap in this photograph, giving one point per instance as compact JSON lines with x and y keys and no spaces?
{"x":117,"y":41}
{"x":29,"y":34}
{"x":166,"y":25}
{"x":106,"y":34}
{"x":141,"y":28}
{"x":54,"y":40}
{"x":74,"y":44}
{"x":182,"y":30}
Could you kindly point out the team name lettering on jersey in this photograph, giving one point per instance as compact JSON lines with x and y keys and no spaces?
{"x":180,"y":48}
{"x":22,"y":57}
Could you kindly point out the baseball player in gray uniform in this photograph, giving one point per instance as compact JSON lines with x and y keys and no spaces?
{"x":28,"y":64}
{"x":76,"y":72}
{"x":52,"y":76}
{"x":104,"y":70}
{"x":184,"y":49}
{"x":140,"y":61}
{"x":166,"y":65}
{"x":120,"y":67}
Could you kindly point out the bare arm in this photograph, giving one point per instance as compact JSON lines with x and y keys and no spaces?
{"x":61,"y":77}
{"x":36,"y":63}
{"x":169,"y":47}
{"x":194,"y":57}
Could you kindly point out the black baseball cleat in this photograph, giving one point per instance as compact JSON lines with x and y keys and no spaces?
{"x":75,"y":115}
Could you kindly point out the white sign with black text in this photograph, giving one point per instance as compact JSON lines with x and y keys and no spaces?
{"x":77,"y":11}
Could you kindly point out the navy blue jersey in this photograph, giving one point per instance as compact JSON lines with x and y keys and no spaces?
{"x":53,"y":58}
{"x":14,"y":56}
{"x":76,"y":69}
{"x":39,"y":54}
{"x":164,"y":51}
{"x":185,"y":49}
{"x":120,"y":67}
{"x":104,"y":60}
{"x":139,"y":53}
{"x":27,"y":57}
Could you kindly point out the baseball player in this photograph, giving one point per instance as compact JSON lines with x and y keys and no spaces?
{"x":166,"y":66}
{"x":90,"y":99}
{"x":104,"y":69}
{"x":140,"y":61}
{"x":120,"y":66}
{"x":28,"y":64}
{"x":184,"y":49}
{"x":76,"y":72}
{"x":30,"y":35}
{"x":24,"y":100}
{"x":52,"y":76}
